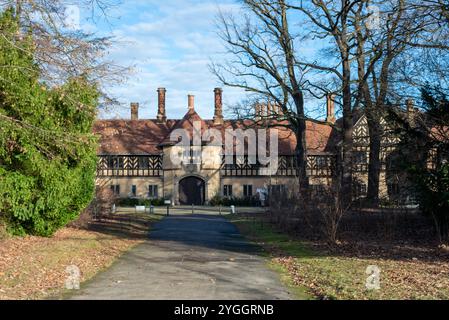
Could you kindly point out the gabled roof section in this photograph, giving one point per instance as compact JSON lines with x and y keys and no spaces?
{"x":186,"y":123}
{"x":126,"y":137}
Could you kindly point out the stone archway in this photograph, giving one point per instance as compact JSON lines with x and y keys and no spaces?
{"x":192,"y":190}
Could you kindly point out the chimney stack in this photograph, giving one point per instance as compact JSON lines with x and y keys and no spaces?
{"x":410,"y":106}
{"x":191,"y":99}
{"x":161,"y":116}
{"x":134,"y":111}
{"x":270,"y":109}
{"x":218,"y":117}
{"x":331,"y":108}
{"x":411,"y":111}
{"x":261,"y":111}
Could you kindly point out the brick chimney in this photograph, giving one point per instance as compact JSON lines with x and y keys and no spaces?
{"x":218,"y":117}
{"x":258,"y":111}
{"x":270,"y":109}
{"x":331,"y":108}
{"x":411,"y":111}
{"x":191,"y":99}
{"x":134,"y":111}
{"x":261,"y":111}
{"x":410,"y":106}
{"x":161,"y":115}
{"x":279,"y":110}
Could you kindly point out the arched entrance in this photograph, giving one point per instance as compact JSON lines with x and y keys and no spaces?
{"x":192,"y":190}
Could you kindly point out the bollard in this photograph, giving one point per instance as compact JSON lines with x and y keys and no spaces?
{"x":151,"y":209}
{"x":219,"y":209}
{"x":193,"y":210}
{"x":232,"y":209}
{"x":168,"y":203}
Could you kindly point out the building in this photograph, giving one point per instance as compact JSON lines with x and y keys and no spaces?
{"x":135,"y":156}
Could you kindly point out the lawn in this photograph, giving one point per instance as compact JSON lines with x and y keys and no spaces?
{"x":337,"y":274}
{"x":35,"y":267}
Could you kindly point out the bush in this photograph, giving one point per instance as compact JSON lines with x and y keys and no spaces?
{"x":432,"y":187}
{"x":47,"y":149}
{"x":216,"y":201}
{"x":132,"y":202}
{"x":234,"y":201}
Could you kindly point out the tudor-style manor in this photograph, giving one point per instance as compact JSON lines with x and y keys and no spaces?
{"x":134,"y":157}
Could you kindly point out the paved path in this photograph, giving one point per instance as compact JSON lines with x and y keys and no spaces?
{"x":189,"y":257}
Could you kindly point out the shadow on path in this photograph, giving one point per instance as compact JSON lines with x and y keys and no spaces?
{"x":189,"y":257}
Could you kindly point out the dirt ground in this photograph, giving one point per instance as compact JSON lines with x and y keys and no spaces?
{"x":35,"y":267}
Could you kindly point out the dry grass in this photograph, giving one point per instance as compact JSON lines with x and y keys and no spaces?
{"x":35,"y":267}
{"x":407,"y":272}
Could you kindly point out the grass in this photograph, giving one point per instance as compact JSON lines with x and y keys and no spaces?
{"x":35,"y":267}
{"x":323,"y":274}
{"x":274,"y":243}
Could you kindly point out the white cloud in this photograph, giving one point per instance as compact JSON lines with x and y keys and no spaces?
{"x":171,"y":44}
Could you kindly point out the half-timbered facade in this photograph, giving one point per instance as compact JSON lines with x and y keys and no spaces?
{"x":135,"y":161}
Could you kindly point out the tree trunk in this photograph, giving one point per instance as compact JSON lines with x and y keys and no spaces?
{"x":18,"y":7}
{"x":346,"y":163}
{"x":374,"y":166}
{"x":301,"y":156}
{"x":301,"y":143}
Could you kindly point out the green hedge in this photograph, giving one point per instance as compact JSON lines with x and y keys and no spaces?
{"x":132,"y":202}
{"x":234,"y":201}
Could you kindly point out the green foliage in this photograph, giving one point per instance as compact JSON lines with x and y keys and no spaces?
{"x":132,"y":202}
{"x":431,"y":183}
{"x":47,"y":149}
{"x":432,"y":187}
{"x":234,"y":201}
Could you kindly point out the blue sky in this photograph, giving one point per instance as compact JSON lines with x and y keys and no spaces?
{"x":170,"y":44}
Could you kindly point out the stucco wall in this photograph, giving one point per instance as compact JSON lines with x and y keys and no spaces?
{"x":127,"y":183}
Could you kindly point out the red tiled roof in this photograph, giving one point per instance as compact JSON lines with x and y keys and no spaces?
{"x":125,"y":137}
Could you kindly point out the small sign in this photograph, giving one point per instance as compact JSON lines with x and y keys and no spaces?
{"x":167,"y":202}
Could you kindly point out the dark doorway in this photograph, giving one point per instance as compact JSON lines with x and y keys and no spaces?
{"x":192,"y":190}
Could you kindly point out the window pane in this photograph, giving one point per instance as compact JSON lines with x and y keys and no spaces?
{"x":153,"y":191}
{"x":144,"y":163}
{"x":134,"y":190}
{"x":227,"y":190}
{"x":115,"y":189}
{"x":248,"y":190}
{"x":119,"y":163}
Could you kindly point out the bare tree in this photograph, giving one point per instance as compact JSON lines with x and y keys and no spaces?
{"x":61,"y":53}
{"x":61,"y":49}
{"x":330,"y":20}
{"x":265,"y":64}
{"x":377,"y":47}
{"x":331,"y":210}
{"x":403,"y":26}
